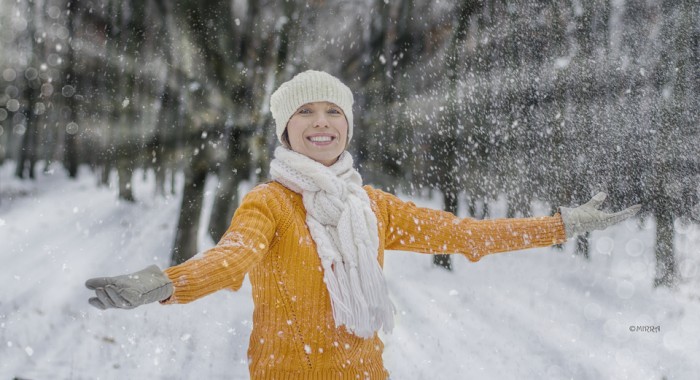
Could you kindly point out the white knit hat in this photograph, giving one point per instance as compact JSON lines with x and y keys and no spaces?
{"x":308,"y":87}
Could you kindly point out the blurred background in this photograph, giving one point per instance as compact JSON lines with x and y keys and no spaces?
{"x":546,"y":101}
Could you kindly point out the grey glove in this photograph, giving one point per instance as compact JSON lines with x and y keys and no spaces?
{"x":130,"y":290}
{"x":588,"y":218}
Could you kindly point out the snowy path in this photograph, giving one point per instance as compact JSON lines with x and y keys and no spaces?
{"x":541,"y":314}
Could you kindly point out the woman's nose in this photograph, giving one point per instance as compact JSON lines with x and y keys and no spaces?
{"x":321,"y":121}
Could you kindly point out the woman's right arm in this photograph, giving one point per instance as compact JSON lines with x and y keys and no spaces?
{"x":425,"y":230}
{"x":243,"y":246}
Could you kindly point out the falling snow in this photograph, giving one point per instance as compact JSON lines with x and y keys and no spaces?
{"x":485,"y":109}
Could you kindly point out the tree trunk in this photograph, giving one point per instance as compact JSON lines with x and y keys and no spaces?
{"x":185,"y":245}
{"x":583,"y":247}
{"x":235,"y":168}
{"x":104,"y":174}
{"x":447,"y":156}
{"x":224,"y":206}
{"x":24,"y":161}
{"x":124,"y":172}
{"x":71,"y":156}
{"x":160,"y":172}
{"x":451,"y":203}
{"x":162,"y":146}
{"x":30,"y":94}
{"x":666,"y":271}
{"x":28,"y":152}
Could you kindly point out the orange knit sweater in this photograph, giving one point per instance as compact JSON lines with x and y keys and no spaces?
{"x":294,"y":335}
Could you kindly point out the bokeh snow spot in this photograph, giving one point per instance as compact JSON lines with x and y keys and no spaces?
{"x":634,"y":247}
{"x":592,"y":311}
{"x":605,"y":245}
{"x":625,"y":289}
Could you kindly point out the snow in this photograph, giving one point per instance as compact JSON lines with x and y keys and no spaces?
{"x":541,"y":313}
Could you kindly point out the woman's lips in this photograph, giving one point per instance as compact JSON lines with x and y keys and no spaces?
{"x":321,"y":140}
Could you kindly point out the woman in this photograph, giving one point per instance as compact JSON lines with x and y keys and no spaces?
{"x":312,"y":242}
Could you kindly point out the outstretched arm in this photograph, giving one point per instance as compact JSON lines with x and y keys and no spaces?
{"x":434,"y":231}
{"x":243,"y":245}
{"x":412,"y":228}
{"x":225,"y":265}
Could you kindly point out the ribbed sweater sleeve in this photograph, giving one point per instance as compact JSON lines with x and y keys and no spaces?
{"x":424,"y":230}
{"x":244,"y":244}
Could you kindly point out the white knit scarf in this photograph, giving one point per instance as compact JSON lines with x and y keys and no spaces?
{"x":344,"y":228}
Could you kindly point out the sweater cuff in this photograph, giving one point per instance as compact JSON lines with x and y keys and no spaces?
{"x":181,"y":278}
{"x":172,"y":299}
{"x":559,"y":235}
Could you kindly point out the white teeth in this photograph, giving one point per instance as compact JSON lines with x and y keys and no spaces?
{"x":320,"y":138}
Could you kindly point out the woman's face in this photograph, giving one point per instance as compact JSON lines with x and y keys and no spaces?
{"x":319,"y":131}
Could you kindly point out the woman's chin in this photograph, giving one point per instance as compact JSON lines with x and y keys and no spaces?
{"x":325,"y":159}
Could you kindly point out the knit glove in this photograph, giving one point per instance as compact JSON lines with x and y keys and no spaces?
{"x":130,"y":290}
{"x":588,"y":218}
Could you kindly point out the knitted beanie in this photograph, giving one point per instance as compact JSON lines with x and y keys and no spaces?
{"x":308,"y":87}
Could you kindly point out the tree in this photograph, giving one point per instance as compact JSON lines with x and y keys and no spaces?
{"x":241,"y":71}
{"x":551,"y":101}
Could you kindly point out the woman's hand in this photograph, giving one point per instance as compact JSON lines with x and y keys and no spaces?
{"x":130,"y":290}
{"x":588,"y":218}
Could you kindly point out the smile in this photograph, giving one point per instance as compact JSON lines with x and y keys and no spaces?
{"x":321,"y":139}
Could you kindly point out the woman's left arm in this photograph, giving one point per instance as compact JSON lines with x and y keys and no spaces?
{"x":412,"y":228}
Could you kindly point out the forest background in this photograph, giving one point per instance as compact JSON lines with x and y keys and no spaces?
{"x":546,"y":101}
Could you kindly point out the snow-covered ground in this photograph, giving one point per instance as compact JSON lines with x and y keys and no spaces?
{"x":536,"y":314}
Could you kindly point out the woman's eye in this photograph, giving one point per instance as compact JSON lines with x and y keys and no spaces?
{"x":334,"y":110}
{"x":304,"y":110}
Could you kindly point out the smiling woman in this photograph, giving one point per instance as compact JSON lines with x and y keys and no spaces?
{"x":312,"y":241}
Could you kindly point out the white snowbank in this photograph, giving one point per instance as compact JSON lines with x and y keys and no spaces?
{"x":530,"y":314}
